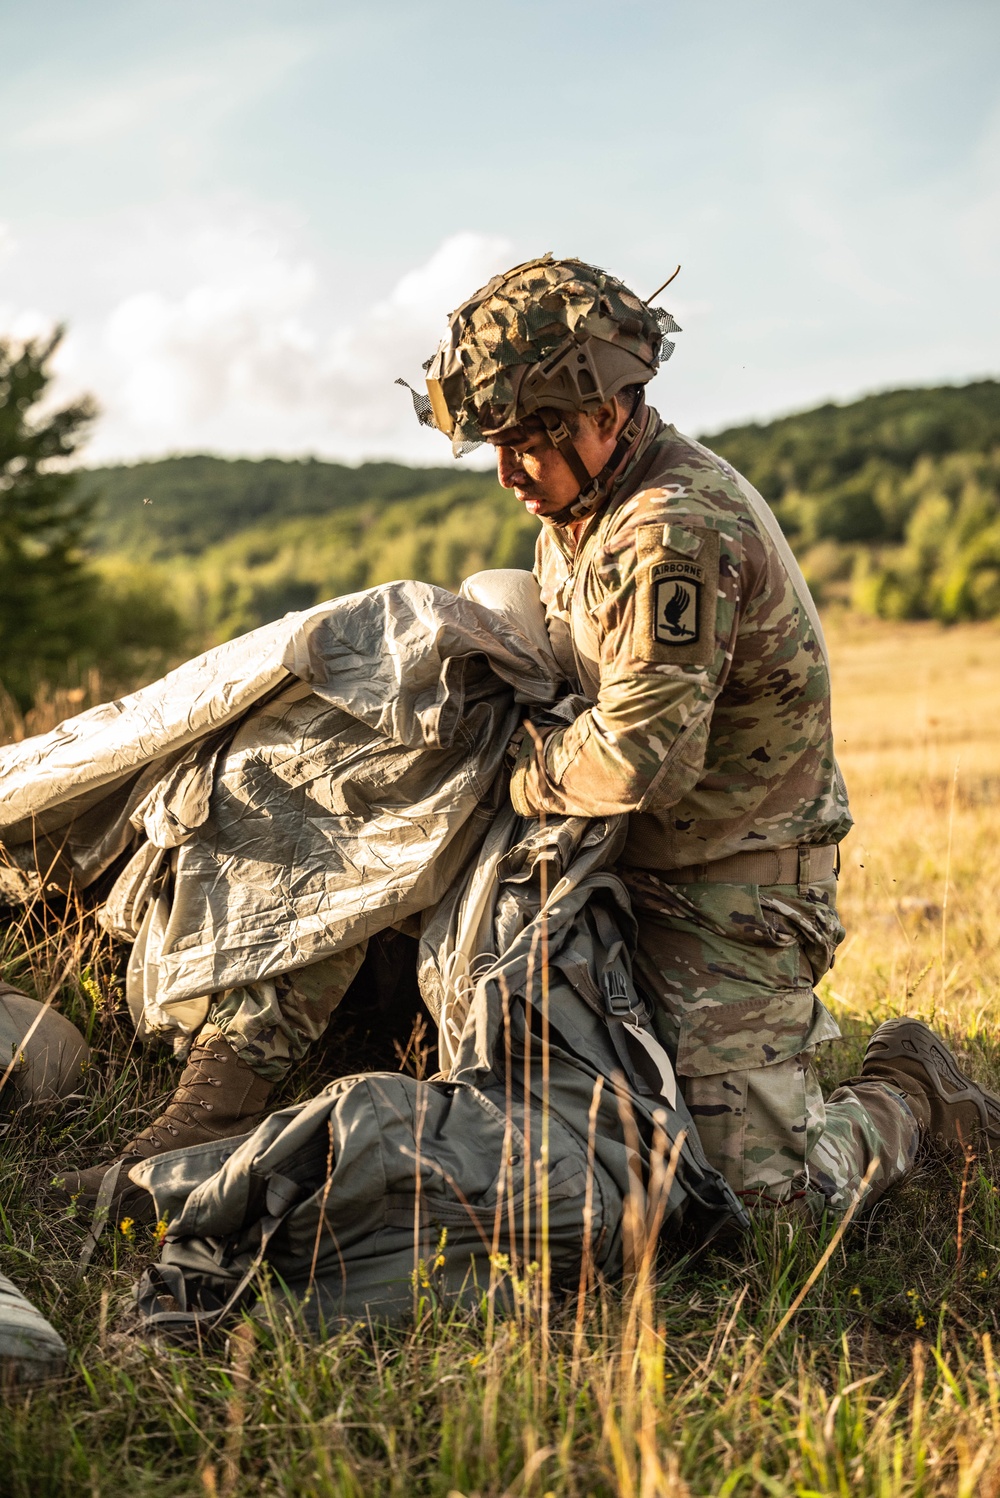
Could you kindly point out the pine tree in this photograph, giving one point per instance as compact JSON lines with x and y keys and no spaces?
{"x":45,"y":586}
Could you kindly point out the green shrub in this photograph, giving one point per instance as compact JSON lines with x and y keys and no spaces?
{"x":948,"y":567}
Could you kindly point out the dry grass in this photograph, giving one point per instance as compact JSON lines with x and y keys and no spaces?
{"x":881,"y":1380}
{"x":917,"y":717}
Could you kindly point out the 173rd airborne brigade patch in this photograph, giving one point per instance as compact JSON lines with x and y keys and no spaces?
{"x":676,"y":586}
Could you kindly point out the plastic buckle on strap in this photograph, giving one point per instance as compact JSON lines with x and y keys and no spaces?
{"x":559,"y":434}
{"x":616,"y":995}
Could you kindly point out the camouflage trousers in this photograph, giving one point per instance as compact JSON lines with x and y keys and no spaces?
{"x":271,"y":1024}
{"x":731,"y":969}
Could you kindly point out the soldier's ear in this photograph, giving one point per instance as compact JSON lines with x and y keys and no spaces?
{"x":607,"y":418}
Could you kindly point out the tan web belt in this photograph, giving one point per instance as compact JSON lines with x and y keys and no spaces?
{"x":802,"y":865}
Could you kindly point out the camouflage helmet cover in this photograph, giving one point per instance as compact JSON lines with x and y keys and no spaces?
{"x":549,"y":333}
{"x":42,"y":1055}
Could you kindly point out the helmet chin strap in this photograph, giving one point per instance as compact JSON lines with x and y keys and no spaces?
{"x":593,"y":488}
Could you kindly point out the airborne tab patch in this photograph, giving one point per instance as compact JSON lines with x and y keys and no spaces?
{"x":677,"y":587}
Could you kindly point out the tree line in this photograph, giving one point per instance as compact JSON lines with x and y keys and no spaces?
{"x":891,"y":502}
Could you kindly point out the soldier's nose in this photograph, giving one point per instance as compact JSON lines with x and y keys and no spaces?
{"x":509,"y":471}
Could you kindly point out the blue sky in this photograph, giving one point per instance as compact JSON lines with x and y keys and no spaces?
{"x":253,"y":216}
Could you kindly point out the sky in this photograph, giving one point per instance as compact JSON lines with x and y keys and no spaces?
{"x":252,"y":217}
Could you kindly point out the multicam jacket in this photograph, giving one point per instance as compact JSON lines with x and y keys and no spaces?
{"x":683,"y":617}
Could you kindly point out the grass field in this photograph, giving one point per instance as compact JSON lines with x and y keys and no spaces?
{"x":745,"y":1372}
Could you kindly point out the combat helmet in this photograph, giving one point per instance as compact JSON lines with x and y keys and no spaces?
{"x":42,"y":1055}
{"x":547,"y":337}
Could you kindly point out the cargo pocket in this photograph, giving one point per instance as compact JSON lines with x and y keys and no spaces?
{"x":759,"y":1128}
{"x":469,"y":1158}
{"x":751,"y":1033}
{"x":811,"y":921}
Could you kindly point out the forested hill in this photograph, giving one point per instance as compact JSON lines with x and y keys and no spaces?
{"x":825,"y":469}
{"x":891,"y":502}
{"x":181,"y":506}
{"x":813,"y":451}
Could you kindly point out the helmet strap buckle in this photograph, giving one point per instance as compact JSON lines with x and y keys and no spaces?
{"x":593,"y":487}
{"x":559,"y":436}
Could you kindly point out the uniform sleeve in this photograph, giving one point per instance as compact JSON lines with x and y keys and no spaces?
{"x":667,"y":610}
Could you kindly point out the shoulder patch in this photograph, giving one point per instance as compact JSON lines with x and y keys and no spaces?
{"x":677,"y":585}
{"x":676,"y":606}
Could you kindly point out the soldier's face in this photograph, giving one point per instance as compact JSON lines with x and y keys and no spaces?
{"x":538,"y":473}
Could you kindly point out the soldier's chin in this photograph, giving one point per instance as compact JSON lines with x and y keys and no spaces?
{"x":533,"y":503}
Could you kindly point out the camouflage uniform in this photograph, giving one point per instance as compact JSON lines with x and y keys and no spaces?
{"x":683,"y":617}
{"x":271,"y":1024}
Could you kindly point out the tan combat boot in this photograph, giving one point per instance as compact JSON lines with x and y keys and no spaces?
{"x":218,"y":1096}
{"x":950,"y":1108}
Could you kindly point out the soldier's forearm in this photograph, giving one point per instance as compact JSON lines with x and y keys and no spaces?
{"x":600,"y":768}
{"x":585,"y":790}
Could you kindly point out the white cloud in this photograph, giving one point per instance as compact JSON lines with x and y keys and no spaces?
{"x":250,"y":357}
{"x":19,"y":320}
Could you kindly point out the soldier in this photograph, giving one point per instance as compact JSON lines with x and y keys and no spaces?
{"x":676,"y":607}
{"x":252,"y":1037}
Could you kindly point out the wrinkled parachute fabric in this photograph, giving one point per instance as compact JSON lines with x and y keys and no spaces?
{"x":384,"y":1188}
{"x":287,"y":794}
{"x":30,"y":1349}
{"x":42,"y":1060}
{"x":296,"y":792}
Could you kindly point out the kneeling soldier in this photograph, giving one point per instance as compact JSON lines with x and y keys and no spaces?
{"x":676,"y":608}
